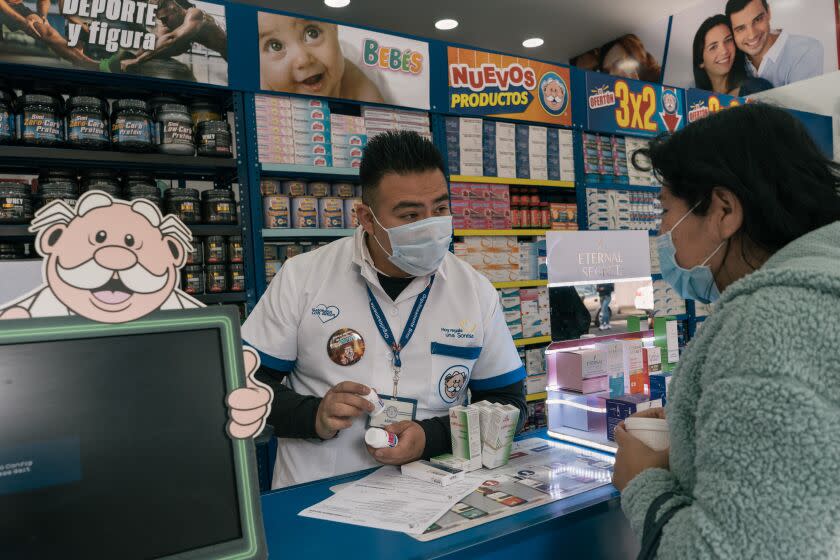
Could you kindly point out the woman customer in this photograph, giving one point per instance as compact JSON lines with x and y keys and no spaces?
{"x":718,"y":65}
{"x":751,"y":212}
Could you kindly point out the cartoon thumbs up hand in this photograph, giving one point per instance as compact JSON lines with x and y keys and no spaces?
{"x":250,"y":405}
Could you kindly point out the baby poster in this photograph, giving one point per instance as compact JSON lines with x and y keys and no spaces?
{"x":314,"y":57}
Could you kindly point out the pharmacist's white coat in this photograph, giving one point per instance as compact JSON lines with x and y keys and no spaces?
{"x":462,"y":329}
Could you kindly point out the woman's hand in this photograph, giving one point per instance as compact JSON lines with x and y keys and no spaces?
{"x":633,"y":456}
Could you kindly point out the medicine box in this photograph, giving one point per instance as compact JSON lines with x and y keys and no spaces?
{"x":583,"y":370}
{"x":575,"y":410}
{"x":619,"y":408}
{"x":466,"y":433}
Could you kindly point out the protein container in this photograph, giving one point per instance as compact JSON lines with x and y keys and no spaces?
{"x":174,"y":130}
{"x":15,"y":203}
{"x":192,"y":279}
{"x":7,"y":117}
{"x":184,"y":203}
{"x":38,"y":121}
{"x":218,"y":206}
{"x":237,"y":277}
{"x":215,"y":250}
{"x":87,"y":123}
{"x":236,"y":254}
{"x":213,"y":139}
{"x":217,"y":280}
{"x":131,"y":127}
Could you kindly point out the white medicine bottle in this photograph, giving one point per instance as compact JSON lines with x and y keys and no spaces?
{"x":379,"y":438}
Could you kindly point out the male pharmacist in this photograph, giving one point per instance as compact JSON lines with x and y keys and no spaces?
{"x":389,"y":308}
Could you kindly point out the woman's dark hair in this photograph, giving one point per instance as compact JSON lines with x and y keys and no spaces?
{"x":738,"y":73}
{"x":765,"y":157}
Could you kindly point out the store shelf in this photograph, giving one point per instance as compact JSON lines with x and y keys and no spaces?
{"x":215,"y":230}
{"x":233,"y":297}
{"x":623,"y":187}
{"x":311,"y":172}
{"x":521,"y":284}
{"x":500,"y":232}
{"x":34,"y":158}
{"x":532,"y":341}
{"x":15,"y":232}
{"x":537,"y":397}
{"x":21,"y":232}
{"x":305,"y":233}
{"x":512,"y":182}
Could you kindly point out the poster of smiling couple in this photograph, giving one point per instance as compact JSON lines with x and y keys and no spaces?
{"x":734,"y":47}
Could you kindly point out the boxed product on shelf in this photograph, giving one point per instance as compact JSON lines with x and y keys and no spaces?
{"x":531,"y":152}
{"x":563,"y":216}
{"x":542,"y":259}
{"x":499,"y":149}
{"x":464,"y":146}
{"x":666,"y":301}
{"x":654,"y":257}
{"x":560,"y":158}
{"x":611,"y":209}
{"x":535,"y":361}
{"x":512,"y":309}
{"x":532,"y":319}
{"x":535,"y":383}
{"x":636,"y":176}
{"x":497,"y":258}
{"x":659,"y":386}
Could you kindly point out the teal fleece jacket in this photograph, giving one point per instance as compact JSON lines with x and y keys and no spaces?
{"x":754,"y":415}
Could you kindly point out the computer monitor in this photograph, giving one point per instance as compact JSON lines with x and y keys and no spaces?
{"x":113,"y":441}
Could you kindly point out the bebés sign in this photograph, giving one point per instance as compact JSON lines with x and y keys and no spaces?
{"x":578,"y":258}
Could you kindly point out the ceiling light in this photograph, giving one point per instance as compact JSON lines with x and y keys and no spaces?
{"x":533,"y":42}
{"x":337,"y":3}
{"x":446,"y":24}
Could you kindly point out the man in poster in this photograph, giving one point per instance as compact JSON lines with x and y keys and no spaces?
{"x":777,"y":56}
{"x":19,"y":17}
{"x":180,"y":24}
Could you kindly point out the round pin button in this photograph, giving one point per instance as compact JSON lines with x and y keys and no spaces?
{"x":345,"y":347}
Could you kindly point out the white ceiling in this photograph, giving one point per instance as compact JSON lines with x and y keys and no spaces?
{"x":569,"y":27}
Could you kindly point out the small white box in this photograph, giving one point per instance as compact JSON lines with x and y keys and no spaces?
{"x":434,"y":473}
{"x":453,"y":462}
{"x":466,"y":433}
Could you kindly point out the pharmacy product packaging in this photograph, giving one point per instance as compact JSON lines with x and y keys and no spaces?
{"x":453,"y":462}
{"x":497,"y":439}
{"x":434,"y":473}
{"x":464,"y":422}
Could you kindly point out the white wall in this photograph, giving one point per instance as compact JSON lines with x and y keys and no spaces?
{"x":819,"y":95}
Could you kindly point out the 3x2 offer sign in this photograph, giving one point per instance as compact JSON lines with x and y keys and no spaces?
{"x":703,"y":103}
{"x":624,"y":106}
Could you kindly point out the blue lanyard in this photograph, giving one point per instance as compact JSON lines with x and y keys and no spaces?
{"x":408,"y":331}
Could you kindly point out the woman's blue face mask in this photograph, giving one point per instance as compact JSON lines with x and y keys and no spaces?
{"x":697,"y":283}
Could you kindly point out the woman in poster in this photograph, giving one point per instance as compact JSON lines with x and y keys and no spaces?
{"x":718,"y":65}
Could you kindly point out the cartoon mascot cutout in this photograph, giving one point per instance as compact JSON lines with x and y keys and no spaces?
{"x":113,"y":261}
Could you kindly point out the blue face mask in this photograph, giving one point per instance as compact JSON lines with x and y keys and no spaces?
{"x":697,"y":283}
{"x":420,"y":247}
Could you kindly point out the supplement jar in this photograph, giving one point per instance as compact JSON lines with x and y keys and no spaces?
{"x":217,"y":280}
{"x":59,"y":191}
{"x":235,"y":251}
{"x":58,"y":176}
{"x":213,"y":139}
{"x":237,"y":277}
{"x":196,"y":256}
{"x":305,"y":212}
{"x":7,"y":117}
{"x":184,"y":203}
{"x":156,"y":102}
{"x":131,"y":127}
{"x":87,"y":123}
{"x":38,"y":121}
{"x":102,"y":180}
{"x":218,"y":206}
{"x":174,"y":130}
{"x":203,"y":111}
{"x":276,"y":211}
{"x":12,"y":251}
{"x":192,"y":279}
{"x":318,"y":189}
{"x":140,"y":189}
{"x":15,"y":203}
{"x":293,"y":188}
{"x":215,"y":250}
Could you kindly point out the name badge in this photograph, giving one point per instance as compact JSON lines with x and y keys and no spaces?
{"x":396,"y":410}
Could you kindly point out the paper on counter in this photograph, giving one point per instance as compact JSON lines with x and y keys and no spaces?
{"x":388,"y":500}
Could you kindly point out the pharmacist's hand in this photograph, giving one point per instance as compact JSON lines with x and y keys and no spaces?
{"x":248,"y":407}
{"x":633,"y":457}
{"x":410,"y":446}
{"x":339,"y":407}
{"x":658,"y":412}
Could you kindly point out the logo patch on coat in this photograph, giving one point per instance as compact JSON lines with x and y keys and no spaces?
{"x":453,"y":382}
{"x":326,"y":314}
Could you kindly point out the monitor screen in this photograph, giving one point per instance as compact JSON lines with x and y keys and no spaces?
{"x":115,"y":447}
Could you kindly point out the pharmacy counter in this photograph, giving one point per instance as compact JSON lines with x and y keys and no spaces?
{"x":589,"y":525}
